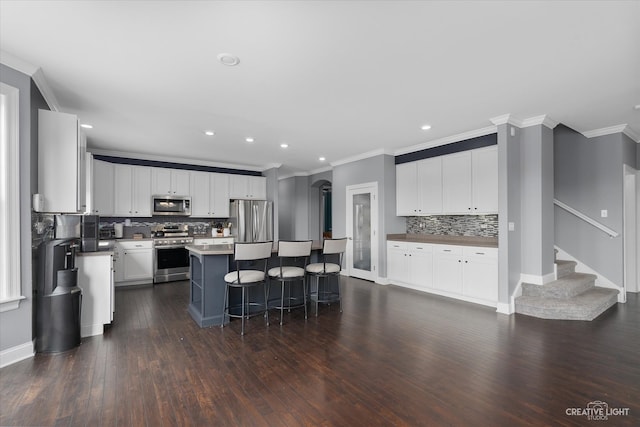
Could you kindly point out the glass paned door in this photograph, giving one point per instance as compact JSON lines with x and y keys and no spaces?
{"x":362,"y":214}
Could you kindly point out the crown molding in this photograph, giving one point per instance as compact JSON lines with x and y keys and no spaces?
{"x":448,"y":140}
{"x":271,"y":166}
{"x":523,"y":123}
{"x":182,"y":160}
{"x":612,"y":130}
{"x":36,"y":74}
{"x":362,"y":156}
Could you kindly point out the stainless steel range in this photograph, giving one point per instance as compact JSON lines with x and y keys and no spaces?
{"x":172,"y":259}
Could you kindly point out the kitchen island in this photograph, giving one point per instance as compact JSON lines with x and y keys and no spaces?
{"x":208,"y":266}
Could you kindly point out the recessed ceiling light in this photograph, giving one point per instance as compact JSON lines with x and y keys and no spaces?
{"x":322,"y":159}
{"x":284,"y":145}
{"x":228,"y":59}
{"x":249,"y":139}
{"x":86,"y":126}
{"x":636,"y":107}
{"x":425,"y":127}
{"x":209,"y":132}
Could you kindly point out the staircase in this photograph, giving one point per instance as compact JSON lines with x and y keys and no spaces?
{"x":573,"y":296}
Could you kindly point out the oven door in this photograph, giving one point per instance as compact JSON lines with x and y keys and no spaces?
{"x":172,"y":263}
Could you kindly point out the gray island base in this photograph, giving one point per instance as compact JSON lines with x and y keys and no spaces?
{"x":208,"y":266}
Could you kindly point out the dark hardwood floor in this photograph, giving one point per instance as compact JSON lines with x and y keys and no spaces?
{"x":394,"y":357}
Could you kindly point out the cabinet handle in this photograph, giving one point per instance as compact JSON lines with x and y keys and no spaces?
{"x":447,"y":250}
{"x":466,"y":262}
{"x":479,"y":253}
{"x":417,"y":247}
{"x":459,"y":260}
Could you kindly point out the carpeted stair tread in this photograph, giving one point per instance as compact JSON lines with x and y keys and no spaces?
{"x":565,"y":287}
{"x":585,"y":306}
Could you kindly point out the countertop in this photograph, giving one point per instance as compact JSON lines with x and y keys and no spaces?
{"x":486,"y":242}
{"x":225,"y":249}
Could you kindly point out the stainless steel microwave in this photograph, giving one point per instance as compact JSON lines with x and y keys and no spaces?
{"x":171,"y":205}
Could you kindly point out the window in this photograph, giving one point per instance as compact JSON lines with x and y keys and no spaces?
{"x":9,"y":199}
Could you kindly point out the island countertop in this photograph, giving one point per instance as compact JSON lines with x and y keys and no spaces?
{"x":227,"y":249}
{"x":488,"y":242}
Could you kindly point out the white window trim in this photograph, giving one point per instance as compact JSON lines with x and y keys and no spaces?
{"x":10,"y":283}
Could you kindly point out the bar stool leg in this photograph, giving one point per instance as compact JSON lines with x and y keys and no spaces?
{"x":304,"y":294}
{"x":281,"y":301}
{"x":242,"y":309}
{"x":224,"y":306}
{"x":266,"y":301}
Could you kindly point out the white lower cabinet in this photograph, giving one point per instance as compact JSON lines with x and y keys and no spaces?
{"x":134,"y":262}
{"x":465,"y":272}
{"x":95,"y":278}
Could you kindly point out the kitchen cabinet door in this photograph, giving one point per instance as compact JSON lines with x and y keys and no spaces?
{"x":200,"y":191}
{"x":123,"y":190}
{"x":141,"y":202}
{"x":174,"y":182}
{"x":448,"y":268}
{"x":456,"y":183}
{"x":397,"y":262}
{"x":484,"y":170}
{"x":219,"y":195}
{"x":420,"y":264}
{"x":103,"y":188}
{"x":247,"y":187}
{"x":429,"y":190}
{"x":480,"y":273}
{"x":406,"y":189}
{"x":62,"y":150}
{"x":138,"y":264}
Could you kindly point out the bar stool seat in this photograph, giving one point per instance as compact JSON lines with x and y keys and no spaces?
{"x":325,"y":270}
{"x":248,"y":255}
{"x":293,"y":257}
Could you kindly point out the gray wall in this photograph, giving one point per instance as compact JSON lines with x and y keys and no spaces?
{"x":589,"y":178}
{"x":286,"y":192}
{"x":509,"y":210}
{"x":16,"y":326}
{"x":380,"y":169}
{"x":536,"y":180}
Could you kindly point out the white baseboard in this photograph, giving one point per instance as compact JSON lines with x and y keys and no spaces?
{"x":504,"y":308}
{"x":536,"y":279}
{"x":91,"y":330}
{"x":383,"y":281}
{"x":16,"y":354}
{"x":601,"y":281}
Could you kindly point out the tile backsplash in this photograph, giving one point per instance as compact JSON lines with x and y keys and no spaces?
{"x":454,"y":225}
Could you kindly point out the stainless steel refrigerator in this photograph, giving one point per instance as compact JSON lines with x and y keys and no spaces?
{"x":251,"y":220}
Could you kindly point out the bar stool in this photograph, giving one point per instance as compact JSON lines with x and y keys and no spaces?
{"x":250,"y":255}
{"x":294,"y":257}
{"x":327,"y":270}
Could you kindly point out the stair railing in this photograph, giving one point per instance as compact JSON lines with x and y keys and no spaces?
{"x":585,"y":218}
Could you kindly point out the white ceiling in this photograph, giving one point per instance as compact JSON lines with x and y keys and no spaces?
{"x":333,"y":78}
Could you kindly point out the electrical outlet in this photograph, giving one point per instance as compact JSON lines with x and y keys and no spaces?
{"x":604,"y":213}
{"x":512,"y":226}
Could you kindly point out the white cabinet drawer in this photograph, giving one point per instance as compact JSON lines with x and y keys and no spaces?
{"x":398,"y":246}
{"x":472,"y":251}
{"x":420,"y":247}
{"x":131,"y":244}
{"x":448,"y":249}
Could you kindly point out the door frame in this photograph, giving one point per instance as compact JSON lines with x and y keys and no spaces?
{"x":630,"y":233}
{"x":351,"y":190}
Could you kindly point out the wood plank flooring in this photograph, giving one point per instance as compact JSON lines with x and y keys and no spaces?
{"x":393,"y":357}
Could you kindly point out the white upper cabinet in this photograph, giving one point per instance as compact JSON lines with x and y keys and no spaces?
{"x":103,"y":191}
{"x":456,"y":183}
{"x":62,"y":151}
{"x":470,"y":181}
{"x":132,"y":191}
{"x":174,"y":182}
{"x":419,"y":187}
{"x":247,"y":187}
{"x":484,"y":178}
{"x":209,"y":195}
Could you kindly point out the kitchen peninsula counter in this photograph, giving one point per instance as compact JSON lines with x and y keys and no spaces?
{"x":208,"y":266}
{"x":479,"y":241}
